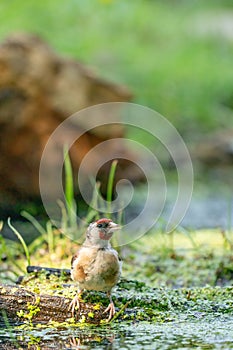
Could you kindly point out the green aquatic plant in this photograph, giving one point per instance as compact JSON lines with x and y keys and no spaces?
{"x":10,"y":329}
{"x":110,"y":185}
{"x":32,"y":310}
{"x":20,"y":238}
{"x":92,"y":213}
{"x":69,"y":220}
{"x":69,"y":191}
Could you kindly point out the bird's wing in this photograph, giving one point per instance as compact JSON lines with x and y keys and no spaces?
{"x":81,"y":263}
{"x":74,"y":257}
{"x":77,"y":271}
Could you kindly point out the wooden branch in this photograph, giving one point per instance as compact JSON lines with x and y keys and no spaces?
{"x":16,"y":301}
{"x":49,"y":270}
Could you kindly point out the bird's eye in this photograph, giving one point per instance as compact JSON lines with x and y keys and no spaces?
{"x":103,"y":225}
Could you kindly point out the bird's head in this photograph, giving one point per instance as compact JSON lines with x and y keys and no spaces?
{"x":100,"y":232}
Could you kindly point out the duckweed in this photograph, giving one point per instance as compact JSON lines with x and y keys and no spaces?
{"x":33,"y":309}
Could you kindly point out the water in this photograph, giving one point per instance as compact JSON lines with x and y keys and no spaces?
{"x":212,"y":333}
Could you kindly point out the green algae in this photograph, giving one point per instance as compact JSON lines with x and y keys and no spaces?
{"x":137,"y":301}
{"x":32,"y":310}
{"x":155,"y":261}
{"x":166,"y":318}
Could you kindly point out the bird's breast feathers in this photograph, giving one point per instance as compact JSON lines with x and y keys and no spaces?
{"x":96,"y":269}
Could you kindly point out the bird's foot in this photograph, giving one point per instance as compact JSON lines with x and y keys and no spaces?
{"x":111,"y":310}
{"x":75,"y":304}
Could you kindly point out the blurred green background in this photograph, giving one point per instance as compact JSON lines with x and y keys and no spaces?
{"x":175,"y":56}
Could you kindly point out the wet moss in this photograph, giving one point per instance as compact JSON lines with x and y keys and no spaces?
{"x":137,"y":301}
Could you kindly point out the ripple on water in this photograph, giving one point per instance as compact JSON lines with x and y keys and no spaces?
{"x":201,"y":334}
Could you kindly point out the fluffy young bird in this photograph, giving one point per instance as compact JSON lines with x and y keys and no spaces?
{"x":96,"y":265}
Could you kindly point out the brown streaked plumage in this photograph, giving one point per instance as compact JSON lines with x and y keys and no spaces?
{"x":96,"y":265}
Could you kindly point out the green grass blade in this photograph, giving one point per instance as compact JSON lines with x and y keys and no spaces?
{"x":64,"y":216}
{"x":20,"y":238}
{"x":69,"y":189}
{"x":111,"y":184}
{"x":34,"y":222}
{"x":92,"y":211}
{"x":50,"y":237}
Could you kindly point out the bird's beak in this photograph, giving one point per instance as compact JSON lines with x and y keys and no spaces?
{"x":113,"y":227}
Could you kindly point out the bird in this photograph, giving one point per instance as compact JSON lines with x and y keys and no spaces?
{"x":96,"y":265}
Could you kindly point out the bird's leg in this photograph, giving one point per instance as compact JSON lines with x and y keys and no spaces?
{"x":75,"y":303}
{"x":75,"y":342}
{"x":110,"y":308}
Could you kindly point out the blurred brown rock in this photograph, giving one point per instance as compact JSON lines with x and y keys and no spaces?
{"x":38,"y":90}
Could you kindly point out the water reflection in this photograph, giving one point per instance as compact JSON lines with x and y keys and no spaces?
{"x":215,"y":333}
